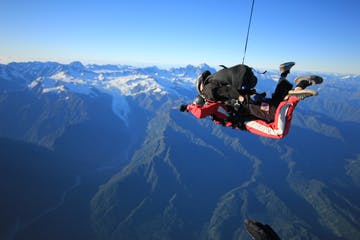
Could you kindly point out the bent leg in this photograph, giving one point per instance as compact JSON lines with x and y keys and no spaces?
{"x":281,"y":124}
{"x":265,"y":111}
{"x":282,"y":89}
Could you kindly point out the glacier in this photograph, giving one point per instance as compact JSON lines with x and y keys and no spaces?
{"x":124,"y":121}
{"x":121,"y":81}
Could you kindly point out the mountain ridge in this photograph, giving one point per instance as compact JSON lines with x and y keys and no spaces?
{"x":149,"y":171}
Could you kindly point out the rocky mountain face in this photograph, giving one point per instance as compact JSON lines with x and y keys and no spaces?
{"x":102,"y":152}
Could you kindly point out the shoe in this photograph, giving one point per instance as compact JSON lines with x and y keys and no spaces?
{"x":306,"y":81}
{"x":286,"y":66}
{"x":301,"y":94}
{"x":259,"y":231}
{"x":254,"y":229}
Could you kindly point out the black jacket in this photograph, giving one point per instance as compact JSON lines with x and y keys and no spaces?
{"x":216,"y":92}
{"x":227,"y":83}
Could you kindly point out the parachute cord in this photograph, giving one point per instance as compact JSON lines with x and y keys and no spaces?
{"x":247,"y":36}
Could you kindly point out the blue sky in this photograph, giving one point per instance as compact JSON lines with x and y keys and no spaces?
{"x":318,"y":35}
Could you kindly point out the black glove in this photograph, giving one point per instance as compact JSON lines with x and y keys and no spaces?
{"x":183,"y":108}
{"x":234,"y":103}
{"x":258,"y":97}
{"x":259,"y":231}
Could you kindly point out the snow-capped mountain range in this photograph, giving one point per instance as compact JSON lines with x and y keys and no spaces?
{"x":75,"y":77}
{"x":121,"y":81}
{"x":118,"y":81}
{"x":102,"y":152}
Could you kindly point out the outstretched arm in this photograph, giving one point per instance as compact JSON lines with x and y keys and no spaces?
{"x":200,"y":111}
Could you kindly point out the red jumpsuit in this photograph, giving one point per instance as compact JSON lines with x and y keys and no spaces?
{"x":276,"y":129}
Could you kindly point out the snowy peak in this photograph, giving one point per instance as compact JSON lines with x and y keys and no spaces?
{"x":123,"y":79}
{"x":118,"y":81}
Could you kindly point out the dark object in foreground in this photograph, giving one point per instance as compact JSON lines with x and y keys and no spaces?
{"x":259,"y":231}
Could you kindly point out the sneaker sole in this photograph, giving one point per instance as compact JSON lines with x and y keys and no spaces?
{"x":304,"y":91}
{"x":299,"y":94}
{"x":313,"y":79}
{"x":286,"y":66}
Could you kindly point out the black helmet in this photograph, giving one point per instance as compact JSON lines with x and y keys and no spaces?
{"x":199,"y":101}
{"x":201,"y":79}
